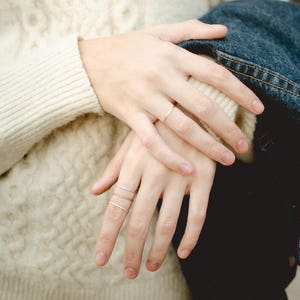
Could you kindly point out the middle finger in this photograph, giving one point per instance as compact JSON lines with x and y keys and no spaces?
{"x":138,"y":226}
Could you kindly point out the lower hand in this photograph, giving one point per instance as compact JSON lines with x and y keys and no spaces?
{"x":134,"y":168}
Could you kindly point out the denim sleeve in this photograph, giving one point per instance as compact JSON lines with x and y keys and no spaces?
{"x":262,"y":49}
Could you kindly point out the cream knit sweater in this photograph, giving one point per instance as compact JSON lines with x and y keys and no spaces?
{"x":55,"y":141}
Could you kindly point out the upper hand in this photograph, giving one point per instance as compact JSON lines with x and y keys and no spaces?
{"x":138,"y":75}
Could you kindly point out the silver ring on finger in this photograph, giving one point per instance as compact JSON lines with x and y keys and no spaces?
{"x":168,"y":113}
{"x":119,"y":206}
{"x":125,"y":188}
{"x":130,"y":199}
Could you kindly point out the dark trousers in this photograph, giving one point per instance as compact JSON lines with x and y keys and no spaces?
{"x":246,"y":249}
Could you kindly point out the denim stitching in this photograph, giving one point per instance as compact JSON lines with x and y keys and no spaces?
{"x":260,"y":69}
{"x":263,"y":81}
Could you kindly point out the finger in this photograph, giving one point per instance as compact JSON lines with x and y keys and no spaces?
{"x":150,"y":138}
{"x":111,"y":172}
{"x":207,"y":111}
{"x":191,"y":132}
{"x":199,"y":196}
{"x":166,"y":224}
{"x":219,"y":77}
{"x":116,"y":213}
{"x":191,"y":29}
{"x":138,"y":225}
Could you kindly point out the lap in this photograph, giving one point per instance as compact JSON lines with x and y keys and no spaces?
{"x":247,"y":248}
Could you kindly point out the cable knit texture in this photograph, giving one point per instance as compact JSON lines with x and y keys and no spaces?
{"x":55,"y":141}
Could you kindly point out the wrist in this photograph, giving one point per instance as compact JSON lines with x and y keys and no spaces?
{"x":92,"y":54}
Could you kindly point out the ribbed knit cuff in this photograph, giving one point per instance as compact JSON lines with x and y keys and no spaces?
{"x":48,"y":90}
{"x":40,"y":93}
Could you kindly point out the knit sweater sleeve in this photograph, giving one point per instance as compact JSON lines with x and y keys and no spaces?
{"x":39,"y":93}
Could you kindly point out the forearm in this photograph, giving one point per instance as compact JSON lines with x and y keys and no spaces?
{"x":42,"y":92}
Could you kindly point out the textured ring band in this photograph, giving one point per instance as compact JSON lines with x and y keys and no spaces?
{"x":123,"y":197}
{"x":168,"y":113}
{"x":125,"y":188}
{"x":119,"y":206}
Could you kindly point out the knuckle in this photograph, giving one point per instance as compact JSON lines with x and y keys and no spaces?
{"x":205,"y":109}
{"x":183,"y":126}
{"x":158,"y":254}
{"x":167,"y":49}
{"x":233,"y":131}
{"x":214,"y":148}
{"x":198,"y":217}
{"x":193,"y":22}
{"x":105,"y":239}
{"x":159,"y":173}
{"x":220,"y":73}
{"x":153,"y":72}
{"x":167,"y":226}
{"x":149,"y":141}
{"x":113,"y":213}
{"x":136,"y":228}
{"x":248,"y":97}
{"x":130,"y":257}
{"x":133,"y":90}
{"x":191,"y":241}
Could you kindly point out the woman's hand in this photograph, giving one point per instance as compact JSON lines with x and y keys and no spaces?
{"x":135,"y":169}
{"x":138,"y":76}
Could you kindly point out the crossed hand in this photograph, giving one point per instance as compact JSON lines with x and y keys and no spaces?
{"x":168,"y":154}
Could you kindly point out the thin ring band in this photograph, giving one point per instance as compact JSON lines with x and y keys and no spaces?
{"x":119,"y":206}
{"x":123,"y":197}
{"x":168,"y":113}
{"x":125,"y":188}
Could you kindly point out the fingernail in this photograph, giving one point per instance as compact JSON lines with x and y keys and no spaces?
{"x":258,"y":106}
{"x":152,"y":266}
{"x":242,"y":145}
{"x":184,"y":253}
{"x":130,"y":273}
{"x":227,"y":158}
{"x":186,"y":168}
{"x":100,"y":258}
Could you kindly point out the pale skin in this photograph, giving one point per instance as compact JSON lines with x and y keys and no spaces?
{"x":134,"y":167}
{"x":126,"y":73}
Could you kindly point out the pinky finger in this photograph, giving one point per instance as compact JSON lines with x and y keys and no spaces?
{"x":196,"y":218}
{"x":151,"y":139}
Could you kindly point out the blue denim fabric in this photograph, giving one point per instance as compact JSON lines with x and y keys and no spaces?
{"x":262,"y":49}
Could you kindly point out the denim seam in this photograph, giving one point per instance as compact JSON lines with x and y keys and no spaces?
{"x":263,"y":81}
{"x":260,"y":69}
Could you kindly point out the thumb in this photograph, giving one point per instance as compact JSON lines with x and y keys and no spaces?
{"x":188,"y":30}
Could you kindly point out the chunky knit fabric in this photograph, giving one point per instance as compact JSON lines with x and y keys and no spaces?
{"x":55,"y":141}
